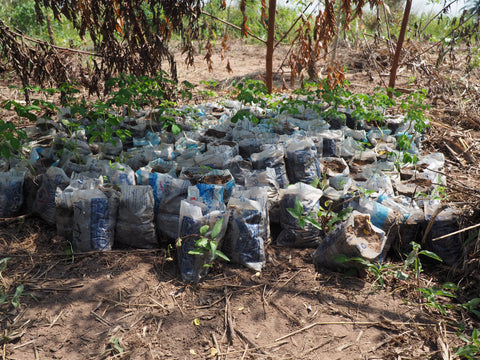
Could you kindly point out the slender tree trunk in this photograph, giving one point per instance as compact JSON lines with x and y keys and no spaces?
{"x":50,"y":30}
{"x":398,"y":50}
{"x":272,"y":7}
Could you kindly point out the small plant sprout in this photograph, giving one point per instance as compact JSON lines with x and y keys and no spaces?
{"x":208,"y":246}
{"x":472,"y":349}
{"x":413,"y":258}
{"x":323,"y":220}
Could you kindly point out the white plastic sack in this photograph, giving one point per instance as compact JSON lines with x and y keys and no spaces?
{"x":11,"y":192}
{"x":355,"y":237}
{"x":135,"y":222}
{"x":94,"y":217}
{"x":192,"y":217}
{"x":246,"y":236}
{"x":273,"y":159}
{"x":292,"y":234}
{"x":44,"y":205}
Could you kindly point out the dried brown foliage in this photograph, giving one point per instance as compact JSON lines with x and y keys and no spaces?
{"x":313,"y":40}
{"x":129,"y":36}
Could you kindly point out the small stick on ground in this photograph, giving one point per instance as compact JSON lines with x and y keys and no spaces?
{"x":287,"y":313}
{"x":248,"y":341}
{"x":215,"y":342}
{"x":228,"y":311}
{"x":359,"y":323}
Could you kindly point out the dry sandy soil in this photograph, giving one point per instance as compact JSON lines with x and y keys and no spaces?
{"x":130,"y":304}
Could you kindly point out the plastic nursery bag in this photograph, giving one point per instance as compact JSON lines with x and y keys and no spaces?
{"x":355,"y":237}
{"x":220,"y":177}
{"x":64,"y":201}
{"x":274,"y":159}
{"x":11,"y":192}
{"x":44,"y":205}
{"x":259,"y":194}
{"x":301,"y":161}
{"x":239,"y":169}
{"x":135,"y":221}
{"x":165,"y":187}
{"x":267,"y":178}
{"x":245,"y":239}
{"x":118,"y":174}
{"x":292,"y":234}
{"x":94,"y":217}
{"x":193,"y":216}
{"x":210,"y":195}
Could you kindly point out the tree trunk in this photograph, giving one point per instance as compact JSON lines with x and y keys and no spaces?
{"x":398,"y":50}
{"x":272,"y":7}
{"x":50,"y":30}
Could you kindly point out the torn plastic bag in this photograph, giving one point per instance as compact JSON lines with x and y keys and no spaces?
{"x":44,"y":205}
{"x":214,"y":160}
{"x":193,"y":173}
{"x":244,"y":243}
{"x":64,"y":201}
{"x":259,"y":194}
{"x":450,"y":249}
{"x":292,"y":234}
{"x":165,"y":187}
{"x":118,"y":174}
{"x":381,"y":184}
{"x":273,"y":159}
{"x":355,"y":237}
{"x":136,"y":125}
{"x":381,"y":216}
{"x":150,"y":138}
{"x":209,"y":194}
{"x":267,"y":178}
{"x":11,"y":192}
{"x":223,"y":146}
{"x":301,"y":161}
{"x":112,"y":149}
{"x":135,"y":221}
{"x":184,"y":144}
{"x":240,"y":169}
{"x":163,"y":166}
{"x":138,"y":157}
{"x":220,"y":177}
{"x":332,"y":142}
{"x":335,"y":166}
{"x":193,"y":216}
{"x":94,"y":217}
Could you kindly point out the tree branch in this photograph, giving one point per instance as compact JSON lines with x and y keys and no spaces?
{"x":233,"y":26}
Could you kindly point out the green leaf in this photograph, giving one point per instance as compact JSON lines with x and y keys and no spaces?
{"x":176,"y":129}
{"x":430,"y":254}
{"x":196,"y":252}
{"x":449,"y":286}
{"x":204,"y":229}
{"x":213,"y":248}
{"x":400,"y":275}
{"x":202,"y":243}
{"x":298,"y":207}
{"x":217,"y":228}
{"x":222,"y":255}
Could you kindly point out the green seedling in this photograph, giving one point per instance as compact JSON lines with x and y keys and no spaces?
{"x":472,"y":349}
{"x":323,"y":219}
{"x":115,"y":348}
{"x":413,"y":258}
{"x":378,"y":270}
{"x":208,"y":246}
{"x":434,"y":294}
